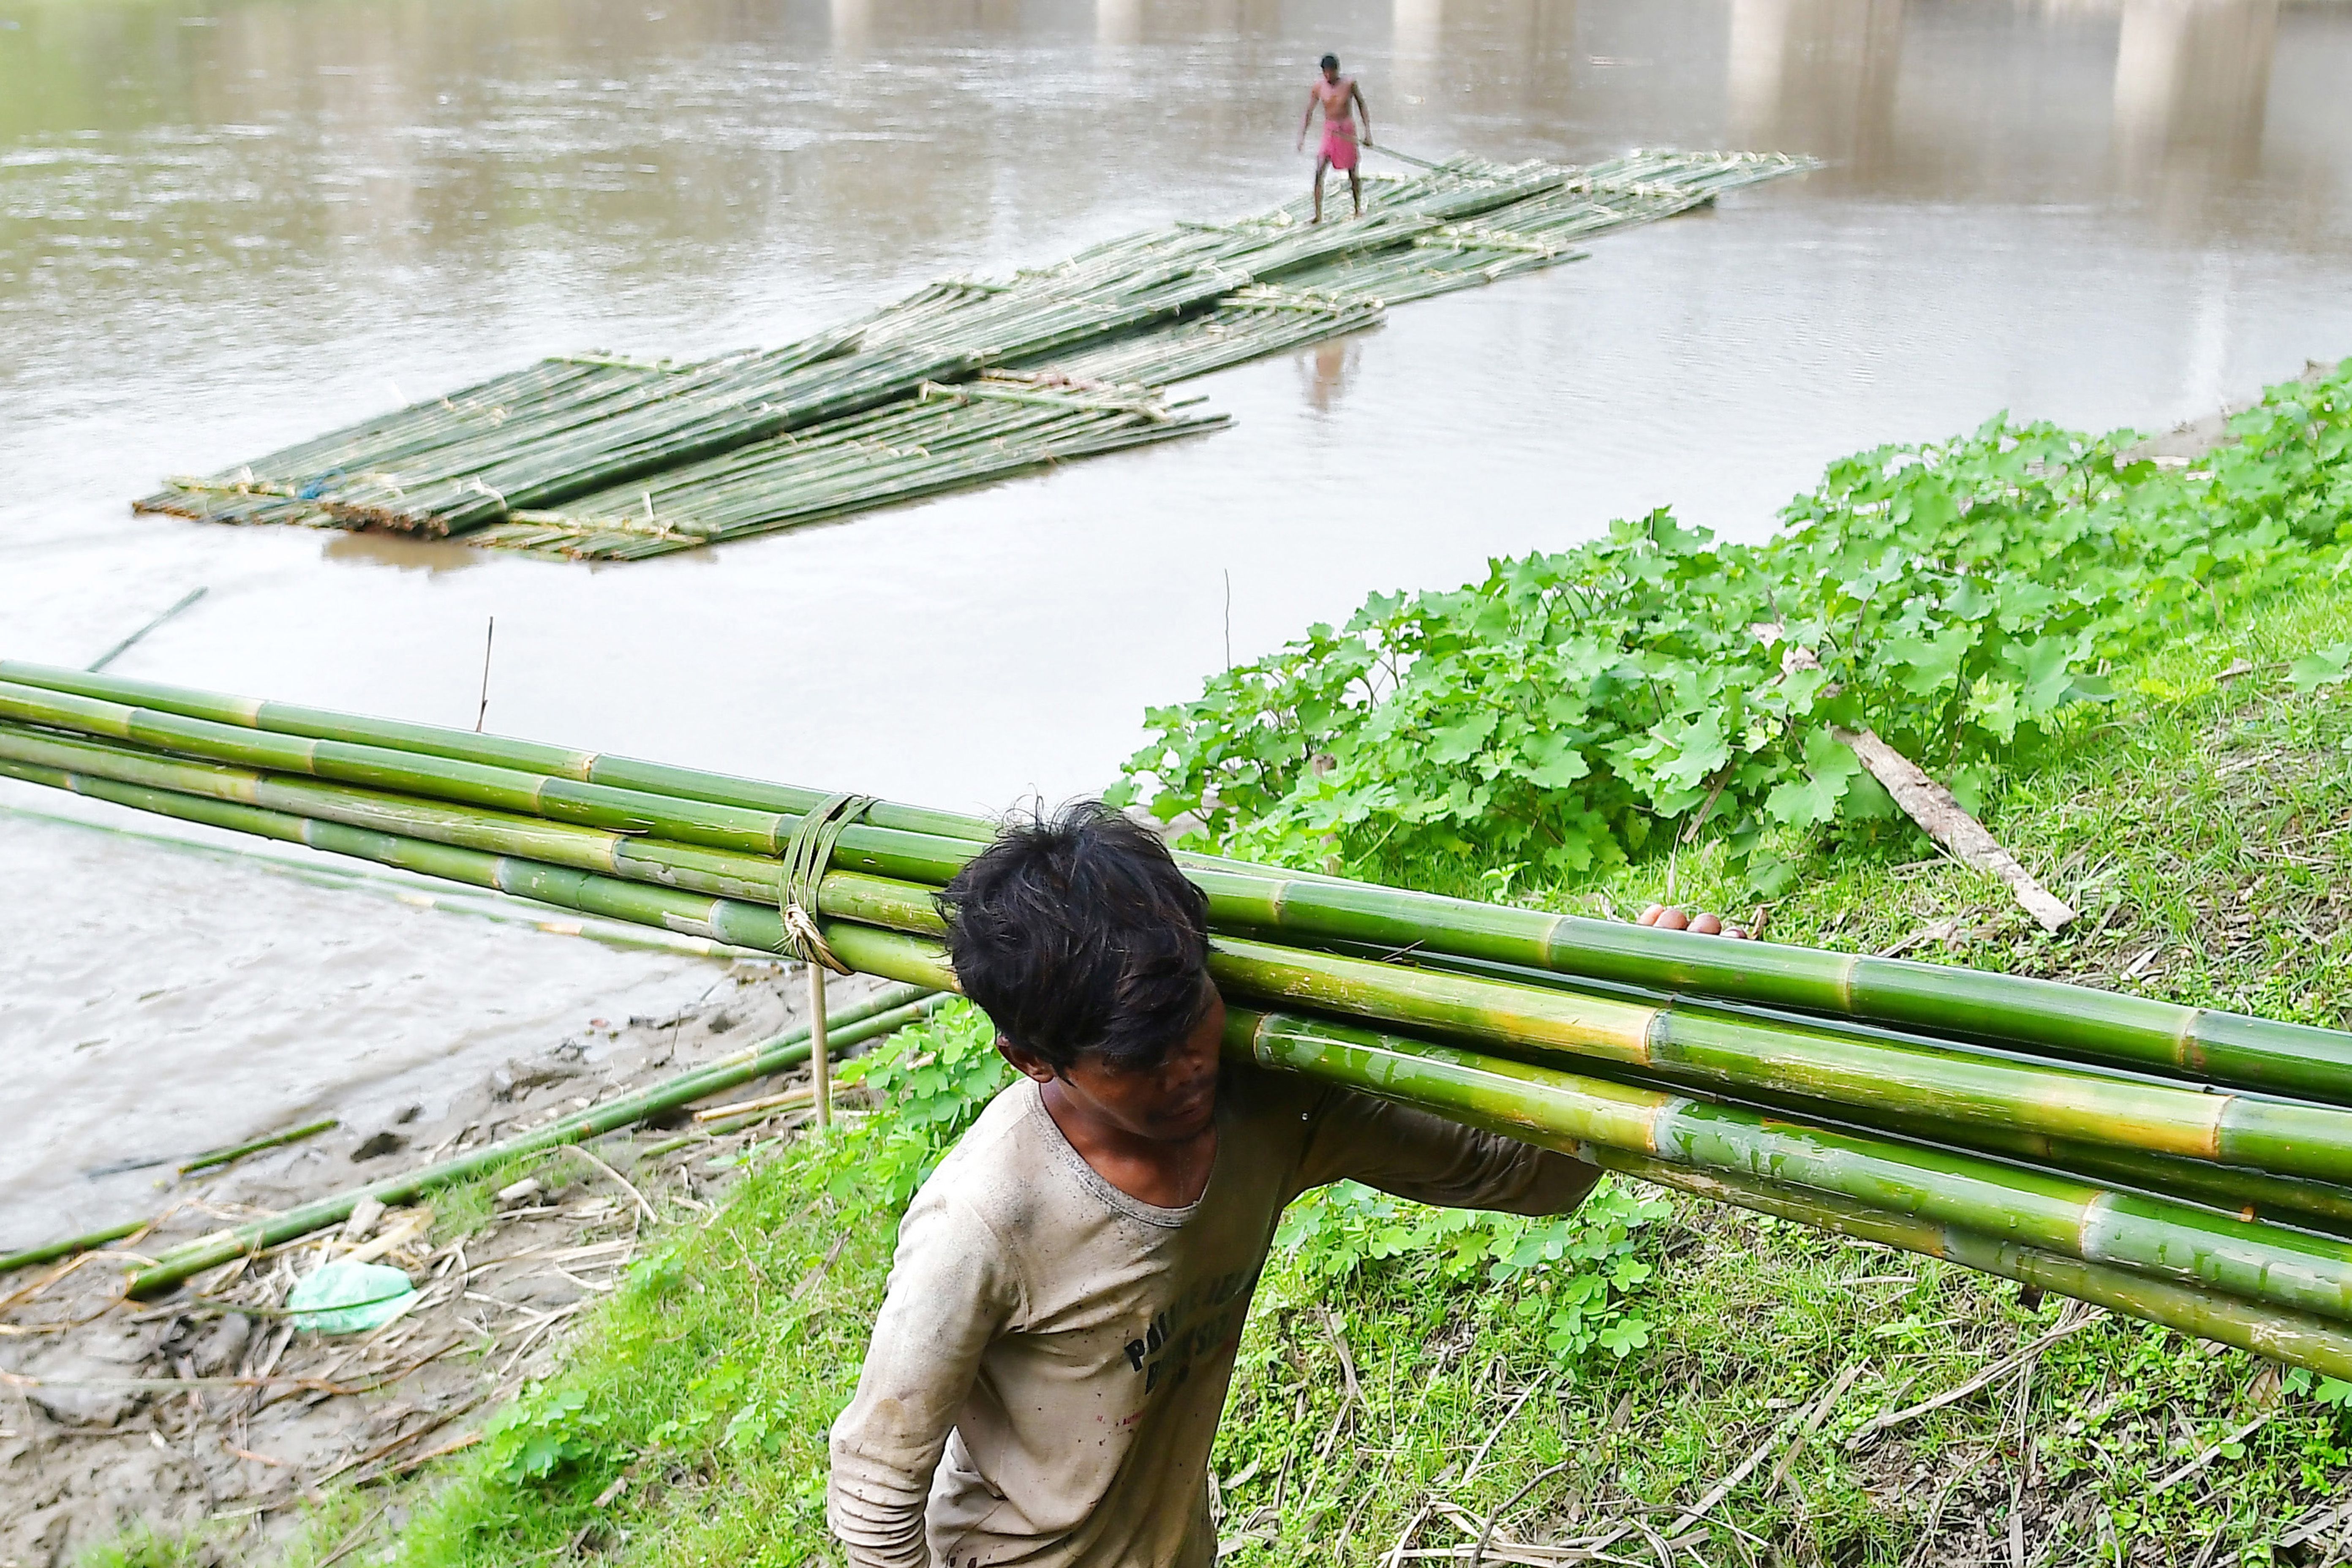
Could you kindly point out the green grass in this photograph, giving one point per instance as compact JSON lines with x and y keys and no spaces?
{"x":2202,"y":827}
{"x":707,"y":1384}
{"x":461,"y":1208}
{"x":142,"y":1547}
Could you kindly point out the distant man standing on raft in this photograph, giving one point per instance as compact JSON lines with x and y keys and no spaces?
{"x":1341,"y":100}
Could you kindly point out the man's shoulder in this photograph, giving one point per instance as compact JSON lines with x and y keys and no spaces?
{"x":999,"y":1126}
{"x":996,"y":1169}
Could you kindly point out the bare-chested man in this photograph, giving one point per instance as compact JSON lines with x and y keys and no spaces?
{"x":1341,"y":102}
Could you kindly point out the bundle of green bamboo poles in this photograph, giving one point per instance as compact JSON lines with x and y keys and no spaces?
{"x":2190,"y":1166}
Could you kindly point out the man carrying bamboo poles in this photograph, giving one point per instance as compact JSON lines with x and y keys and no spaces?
{"x":1050,"y":1361}
{"x":1341,"y":100}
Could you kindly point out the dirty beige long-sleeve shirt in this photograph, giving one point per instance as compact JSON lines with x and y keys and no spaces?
{"x":1050,"y":1361}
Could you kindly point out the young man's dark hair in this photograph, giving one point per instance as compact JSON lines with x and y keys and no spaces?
{"x":1079,"y":932}
{"x":1330,"y":62}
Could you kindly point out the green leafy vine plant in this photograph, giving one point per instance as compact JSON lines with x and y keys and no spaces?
{"x":935,"y":1078}
{"x":1573,"y":1278}
{"x":1955,"y":598}
{"x":538,"y":1437}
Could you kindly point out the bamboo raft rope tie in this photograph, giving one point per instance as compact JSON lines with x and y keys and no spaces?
{"x":807,"y":857}
{"x":901,"y":453}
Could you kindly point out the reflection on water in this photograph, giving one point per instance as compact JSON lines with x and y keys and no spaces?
{"x":1534,"y":57}
{"x":431,"y":556}
{"x":416,"y":134}
{"x":1416,"y":50}
{"x":2192,"y":89}
{"x":851,"y":25}
{"x":1119,"y":21}
{"x":1984,"y":103}
{"x":1819,"y":74}
{"x":1325,"y":370}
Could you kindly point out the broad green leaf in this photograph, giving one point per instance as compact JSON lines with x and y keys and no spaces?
{"x":1830,"y":765}
{"x":1554,"y":762}
{"x":2321,"y":667}
{"x":2044,"y":673}
{"x":1460,"y":741}
{"x":1929,"y":664}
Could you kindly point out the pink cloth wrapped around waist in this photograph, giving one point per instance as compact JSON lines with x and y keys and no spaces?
{"x":1339,"y":143}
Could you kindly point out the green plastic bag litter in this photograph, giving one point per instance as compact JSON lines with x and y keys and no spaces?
{"x":350,"y":1297}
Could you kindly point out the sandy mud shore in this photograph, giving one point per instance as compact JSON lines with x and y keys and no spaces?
{"x":210,"y":1406}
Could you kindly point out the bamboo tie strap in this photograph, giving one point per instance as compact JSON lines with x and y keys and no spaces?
{"x":807,"y":853}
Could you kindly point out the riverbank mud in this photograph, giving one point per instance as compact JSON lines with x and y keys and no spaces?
{"x":210,"y":1412}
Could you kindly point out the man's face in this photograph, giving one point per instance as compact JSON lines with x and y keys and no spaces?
{"x":1170,"y":1103}
{"x":1332,"y":75}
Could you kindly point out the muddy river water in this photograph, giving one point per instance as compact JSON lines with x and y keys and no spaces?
{"x":226,"y":224}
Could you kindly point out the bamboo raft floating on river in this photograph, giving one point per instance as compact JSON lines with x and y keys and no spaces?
{"x":2184,"y":1166}
{"x":962,"y":383}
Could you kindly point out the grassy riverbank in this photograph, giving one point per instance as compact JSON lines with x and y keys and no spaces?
{"x":2138,"y":671}
{"x":2202,"y":827}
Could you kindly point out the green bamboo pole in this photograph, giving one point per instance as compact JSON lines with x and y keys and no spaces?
{"x":730,"y":921}
{"x":1716,"y":1050}
{"x":914,"y":954}
{"x":730,"y":873}
{"x":255,"y":1145}
{"x":2148,"y":1235}
{"x":881,"y":1014}
{"x":2044,"y":1015}
{"x":1709,"y":1047}
{"x":896,"y":840}
{"x":49,"y":1251}
{"x":2250,"y":1194}
{"x":2299,"y":1339}
{"x":377,"y":767}
{"x":2253,"y":1193}
{"x":294,"y":720}
{"x":474,"y":903}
